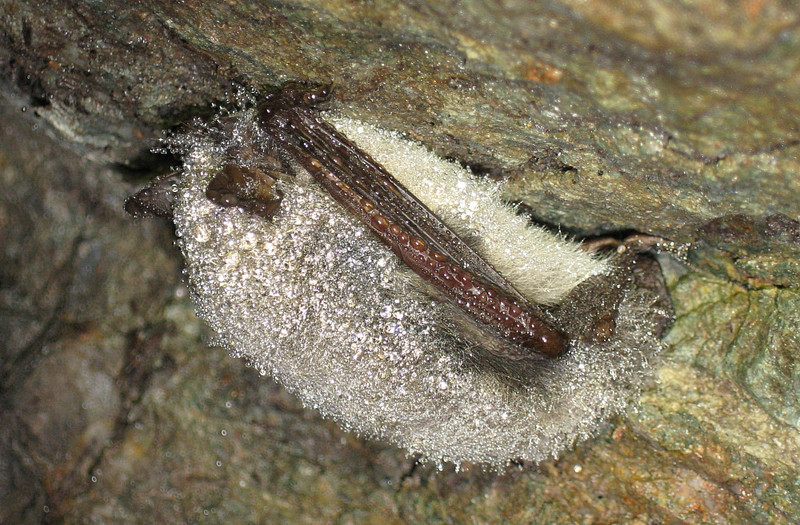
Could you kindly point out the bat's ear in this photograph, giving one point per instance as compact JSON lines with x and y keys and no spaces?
{"x":248,"y":188}
{"x":155,"y":200}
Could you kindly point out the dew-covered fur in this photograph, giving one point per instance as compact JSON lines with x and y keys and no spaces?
{"x":314,"y":300}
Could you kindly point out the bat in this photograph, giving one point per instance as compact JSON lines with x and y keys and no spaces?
{"x":285,"y":221}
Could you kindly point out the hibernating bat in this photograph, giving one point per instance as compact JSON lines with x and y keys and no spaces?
{"x":396,"y":293}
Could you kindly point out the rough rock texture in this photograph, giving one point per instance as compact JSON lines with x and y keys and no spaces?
{"x":669,"y":118}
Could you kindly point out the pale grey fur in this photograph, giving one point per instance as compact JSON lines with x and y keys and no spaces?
{"x":317,"y":302}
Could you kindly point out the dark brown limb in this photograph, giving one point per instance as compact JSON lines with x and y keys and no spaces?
{"x":404,"y":223}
